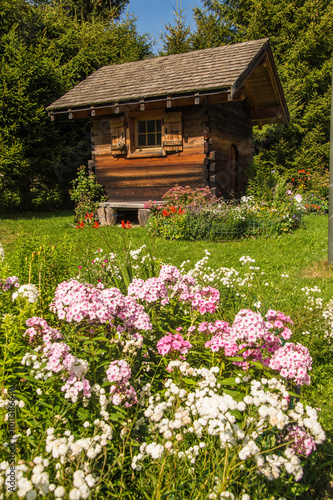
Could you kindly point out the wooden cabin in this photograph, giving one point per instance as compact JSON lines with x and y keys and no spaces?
{"x":182,"y":119}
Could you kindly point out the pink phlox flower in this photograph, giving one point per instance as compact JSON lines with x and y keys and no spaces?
{"x":118,"y":371}
{"x":249,"y":326}
{"x":40,"y":331}
{"x":286,"y":333}
{"x":223,"y":342}
{"x":56,"y":353}
{"x":169,"y":274}
{"x":293,"y":361}
{"x":10,"y":283}
{"x":74,"y":301}
{"x":206,"y":300}
{"x":273,"y":315}
{"x":303,"y":443}
{"x":74,"y":386}
{"x":172,"y":342}
{"x":119,"y":374}
{"x":150,"y":291}
{"x":123,"y":393}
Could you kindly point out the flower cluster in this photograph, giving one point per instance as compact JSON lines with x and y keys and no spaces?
{"x":303,"y":442}
{"x":2,"y":253}
{"x":172,"y":284}
{"x":119,"y":374}
{"x":30,"y":292}
{"x":293,"y":362}
{"x":255,"y":339}
{"x":173,"y":342}
{"x":9,"y":283}
{"x":126,"y":225}
{"x":76,"y":302}
{"x":40,"y":332}
{"x":57,"y":358}
{"x":185,"y":410}
{"x":150,"y":291}
{"x":182,"y":424}
{"x":33,"y":479}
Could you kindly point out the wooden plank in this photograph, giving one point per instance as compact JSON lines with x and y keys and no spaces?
{"x":149,"y":172}
{"x":266,"y":112}
{"x":132,"y":194}
{"x":173,"y":117}
{"x":173,"y":132}
{"x":162,"y":180}
{"x":168,"y":160}
{"x":101,"y":149}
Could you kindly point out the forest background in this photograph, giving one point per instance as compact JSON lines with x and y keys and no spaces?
{"x":48,"y":46}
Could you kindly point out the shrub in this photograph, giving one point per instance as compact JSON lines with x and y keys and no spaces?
{"x":186,"y":196}
{"x":86,"y":193}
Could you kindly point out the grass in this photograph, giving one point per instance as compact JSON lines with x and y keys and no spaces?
{"x":287,"y":264}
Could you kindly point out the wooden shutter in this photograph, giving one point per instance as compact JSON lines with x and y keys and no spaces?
{"x":100,"y":136}
{"x":118,"y":137}
{"x":173,"y":135}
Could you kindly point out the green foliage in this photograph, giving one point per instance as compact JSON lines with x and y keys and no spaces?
{"x":44,"y":52}
{"x":86,"y":193}
{"x":90,"y":9}
{"x":176,"y":37}
{"x":42,"y":263}
{"x":302,"y":43}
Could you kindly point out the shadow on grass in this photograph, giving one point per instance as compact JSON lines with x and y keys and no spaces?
{"x":36,"y":215}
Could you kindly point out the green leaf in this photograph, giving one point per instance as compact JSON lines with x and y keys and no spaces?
{"x":238,"y":396}
{"x":256,"y":364}
{"x":189,"y":381}
{"x":228,"y":381}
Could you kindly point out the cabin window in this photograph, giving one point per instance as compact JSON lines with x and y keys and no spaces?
{"x":149,"y":133}
{"x":155,"y":133}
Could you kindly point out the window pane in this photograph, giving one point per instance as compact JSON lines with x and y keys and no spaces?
{"x":150,"y":125}
{"x":158,"y":139}
{"x":151,"y":139}
{"x":158,"y":125}
{"x":142,"y":127}
{"x":142,"y":140}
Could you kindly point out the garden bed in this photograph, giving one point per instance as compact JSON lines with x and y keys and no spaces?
{"x":166,"y":302}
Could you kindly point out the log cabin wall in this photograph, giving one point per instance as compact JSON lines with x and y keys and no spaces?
{"x":231,"y":146}
{"x":128,"y":178}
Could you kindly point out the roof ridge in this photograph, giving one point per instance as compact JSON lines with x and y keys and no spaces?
{"x":182,"y":54}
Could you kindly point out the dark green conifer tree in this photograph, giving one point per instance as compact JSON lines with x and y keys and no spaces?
{"x":176,"y":37}
{"x":44,"y":52}
{"x":301,"y":37}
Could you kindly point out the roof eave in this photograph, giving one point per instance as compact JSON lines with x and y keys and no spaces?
{"x":55,"y":110}
{"x":279,"y":113}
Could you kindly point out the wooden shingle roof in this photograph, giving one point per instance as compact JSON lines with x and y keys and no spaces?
{"x":246,"y":67}
{"x":207,"y":69}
